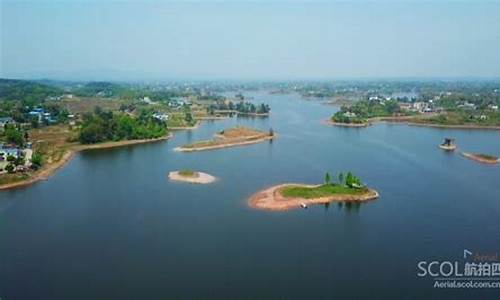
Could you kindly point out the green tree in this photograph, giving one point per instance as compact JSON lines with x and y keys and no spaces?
{"x":14,"y":136}
{"x":34,"y":122}
{"x":10,"y":168}
{"x":349,"y":179}
{"x":36,"y":160}
{"x":341,"y":178}
{"x":188,"y":117}
{"x":352,"y":181}
{"x":327,"y":178}
{"x":19,"y":160}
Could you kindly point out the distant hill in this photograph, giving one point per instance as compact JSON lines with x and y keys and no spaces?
{"x":100,"y":88}
{"x":27,"y":91}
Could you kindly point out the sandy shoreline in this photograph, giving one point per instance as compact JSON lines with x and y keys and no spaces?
{"x":480,"y":159}
{"x":45,"y":172}
{"x":476,"y":127}
{"x":225,"y":145}
{"x":228,"y":111}
{"x":195,"y":126}
{"x":272,"y":200}
{"x":199,"y":177}
{"x":407,"y":120}
{"x":212,"y":118}
{"x":353,"y":125}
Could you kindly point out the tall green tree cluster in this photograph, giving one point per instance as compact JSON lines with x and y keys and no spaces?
{"x":366,"y":109}
{"x":344,"y":179}
{"x":103,"y":126}
{"x":242,"y":107}
{"x":13,"y":135}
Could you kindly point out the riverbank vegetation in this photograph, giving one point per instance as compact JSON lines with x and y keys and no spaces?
{"x":361,"y":111}
{"x":103,"y":126}
{"x":239,"y":107}
{"x":462,"y":117}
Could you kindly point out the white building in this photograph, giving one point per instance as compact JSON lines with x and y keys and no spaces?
{"x":161,"y":117}
{"x":349,"y":114}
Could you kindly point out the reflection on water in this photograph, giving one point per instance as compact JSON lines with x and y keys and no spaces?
{"x":345,"y":206}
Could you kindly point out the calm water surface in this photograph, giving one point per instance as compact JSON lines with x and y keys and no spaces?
{"x":110,"y":225}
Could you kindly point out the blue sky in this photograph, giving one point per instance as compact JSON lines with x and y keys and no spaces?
{"x":124,"y":40}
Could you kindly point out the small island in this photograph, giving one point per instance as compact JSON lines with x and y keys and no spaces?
{"x":191,"y":176}
{"x":289,"y":196}
{"x":482,"y":158}
{"x":236,"y":136}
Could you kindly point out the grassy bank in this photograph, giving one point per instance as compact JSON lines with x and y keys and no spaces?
{"x":321,"y":191}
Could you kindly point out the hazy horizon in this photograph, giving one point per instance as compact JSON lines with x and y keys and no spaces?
{"x":235,"y":40}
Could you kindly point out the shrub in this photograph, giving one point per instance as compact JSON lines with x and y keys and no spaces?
{"x":10,"y":168}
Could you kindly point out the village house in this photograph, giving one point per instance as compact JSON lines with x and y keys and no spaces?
{"x":349,"y":114}
{"x":6,"y":152}
{"x":468,"y":105}
{"x":6,"y":120}
{"x":39,"y":114}
{"x":147,"y":100}
{"x":493,"y":107}
{"x":405,"y":106}
{"x":161,"y":117}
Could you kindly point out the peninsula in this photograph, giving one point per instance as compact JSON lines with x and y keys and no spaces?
{"x":438,"y":114}
{"x":236,"y":136}
{"x":291,"y":195}
{"x":60,"y":157}
{"x":35,"y":154}
{"x":191,"y":176}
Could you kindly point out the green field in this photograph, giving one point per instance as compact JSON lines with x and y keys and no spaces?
{"x":187,"y":173}
{"x":324,"y":190}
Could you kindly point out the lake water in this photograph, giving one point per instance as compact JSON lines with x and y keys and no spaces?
{"x":110,"y":224}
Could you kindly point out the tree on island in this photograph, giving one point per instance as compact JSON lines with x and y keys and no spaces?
{"x":341,"y":178}
{"x":352,"y":181}
{"x":327,"y":178}
{"x":271,"y":132}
